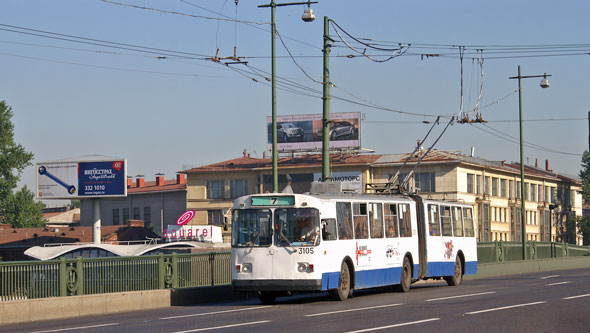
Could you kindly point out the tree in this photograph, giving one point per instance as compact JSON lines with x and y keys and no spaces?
{"x":13,"y":160}
{"x":22,"y":211}
{"x":583,"y":223}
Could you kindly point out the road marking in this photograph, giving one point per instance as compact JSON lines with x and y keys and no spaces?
{"x":578,"y":296}
{"x":216,"y":312}
{"x":557,"y":283}
{"x":76,"y":328}
{"x":506,"y":307}
{"x":459,"y":296}
{"x":350,"y":310}
{"x":395,"y":325}
{"x":548,"y":277}
{"x":224,"y":326}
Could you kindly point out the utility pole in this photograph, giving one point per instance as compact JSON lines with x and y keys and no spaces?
{"x":544,"y":84}
{"x":273,"y":33}
{"x":326,"y":104}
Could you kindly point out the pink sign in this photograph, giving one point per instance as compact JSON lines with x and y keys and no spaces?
{"x":186,"y":217}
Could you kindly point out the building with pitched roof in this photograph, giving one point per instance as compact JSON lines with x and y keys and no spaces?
{"x":157,"y":203}
{"x":493,"y":187}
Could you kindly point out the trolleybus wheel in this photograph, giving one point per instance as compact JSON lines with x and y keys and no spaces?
{"x":457,"y":277}
{"x":406,"y":278}
{"x":343,"y":290}
{"x":267,"y":297}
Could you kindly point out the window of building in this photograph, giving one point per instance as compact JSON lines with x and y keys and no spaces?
{"x":425,"y":181}
{"x":495,"y":186}
{"x":533,"y":192}
{"x":470,"y":183}
{"x":136,"y":213}
{"x":238,"y":187}
{"x":125,"y":215}
{"x":116,"y":216}
{"x":215,"y":217}
{"x":547,"y":194}
{"x":486,"y":185}
{"x":518,"y":190}
{"x":147,"y":216}
{"x":511,"y":192}
{"x":215,"y":189}
{"x":478,"y":184}
{"x":503,"y":192}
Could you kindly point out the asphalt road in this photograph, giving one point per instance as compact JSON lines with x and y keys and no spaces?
{"x":555,"y":301}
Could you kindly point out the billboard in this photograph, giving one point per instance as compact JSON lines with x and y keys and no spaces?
{"x":81,"y":179}
{"x":304,"y":132}
{"x":352,"y":181}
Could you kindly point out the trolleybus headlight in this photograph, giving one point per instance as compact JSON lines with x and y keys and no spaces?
{"x":247,"y":268}
{"x":303,"y":267}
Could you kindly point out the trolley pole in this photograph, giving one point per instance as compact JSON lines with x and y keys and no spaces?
{"x":326,"y":104}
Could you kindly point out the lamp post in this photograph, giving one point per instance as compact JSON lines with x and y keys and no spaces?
{"x":544,"y":84}
{"x":308,"y":16}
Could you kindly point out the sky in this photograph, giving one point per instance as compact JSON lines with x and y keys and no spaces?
{"x":158,"y":100}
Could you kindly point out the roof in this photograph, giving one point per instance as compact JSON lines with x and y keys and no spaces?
{"x":435,"y":156}
{"x":252,"y":163}
{"x":28,"y":237}
{"x":168,"y":185}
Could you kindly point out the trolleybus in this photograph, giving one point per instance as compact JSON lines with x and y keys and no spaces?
{"x":286,"y":243}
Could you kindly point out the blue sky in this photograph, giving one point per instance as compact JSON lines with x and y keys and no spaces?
{"x":72,"y":99}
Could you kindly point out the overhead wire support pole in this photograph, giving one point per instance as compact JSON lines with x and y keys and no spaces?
{"x":273,"y":33}
{"x":544,"y":84}
{"x":326,"y":104}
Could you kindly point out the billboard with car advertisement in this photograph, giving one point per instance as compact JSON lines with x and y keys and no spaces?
{"x":81,"y":179}
{"x":304,"y":132}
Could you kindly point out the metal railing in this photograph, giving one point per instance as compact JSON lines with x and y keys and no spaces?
{"x":499,"y":251}
{"x":41,"y":279}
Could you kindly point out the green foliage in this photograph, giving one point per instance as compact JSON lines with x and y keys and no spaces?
{"x":585,"y":176}
{"x":21,"y":210}
{"x":18,"y":209}
{"x":583,"y":224}
{"x":74,"y":204}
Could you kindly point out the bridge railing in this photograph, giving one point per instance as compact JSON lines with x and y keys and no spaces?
{"x":67,"y":277}
{"x":41,"y":279}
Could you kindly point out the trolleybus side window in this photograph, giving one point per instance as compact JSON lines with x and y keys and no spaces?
{"x":433,"y":220}
{"x":329,"y":229}
{"x":445,"y":219}
{"x":344,"y":219}
{"x":251,"y":227}
{"x":376,"y":215}
{"x":457,"y":222}
{"x":391,"y":221}
{"x":359,"y":216}
{"x":468,"y":222}
{"x":405,"y":223}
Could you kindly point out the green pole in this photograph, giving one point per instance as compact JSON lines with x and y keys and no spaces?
{"x":522,"y":197}
{"x":275,"y":153}
{"x":326,"y":105}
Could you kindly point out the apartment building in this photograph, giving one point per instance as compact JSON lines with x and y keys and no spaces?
{"x":493,"y":187}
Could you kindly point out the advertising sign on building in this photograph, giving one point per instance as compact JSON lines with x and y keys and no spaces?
{"x":305,"y":132}
{"x":352,"y":181}
{"x":81,"y":179}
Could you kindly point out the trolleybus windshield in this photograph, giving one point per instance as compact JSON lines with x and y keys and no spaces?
{"x":251,"y":227}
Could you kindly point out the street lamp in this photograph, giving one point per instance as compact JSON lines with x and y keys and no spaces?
{"x":544,"y":84}
{"x":308,"y":16}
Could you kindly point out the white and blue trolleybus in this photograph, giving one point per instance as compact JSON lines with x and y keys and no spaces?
{"x":285,"y":243}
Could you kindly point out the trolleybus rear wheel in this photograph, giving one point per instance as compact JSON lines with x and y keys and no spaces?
{"x":406,"y":278}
